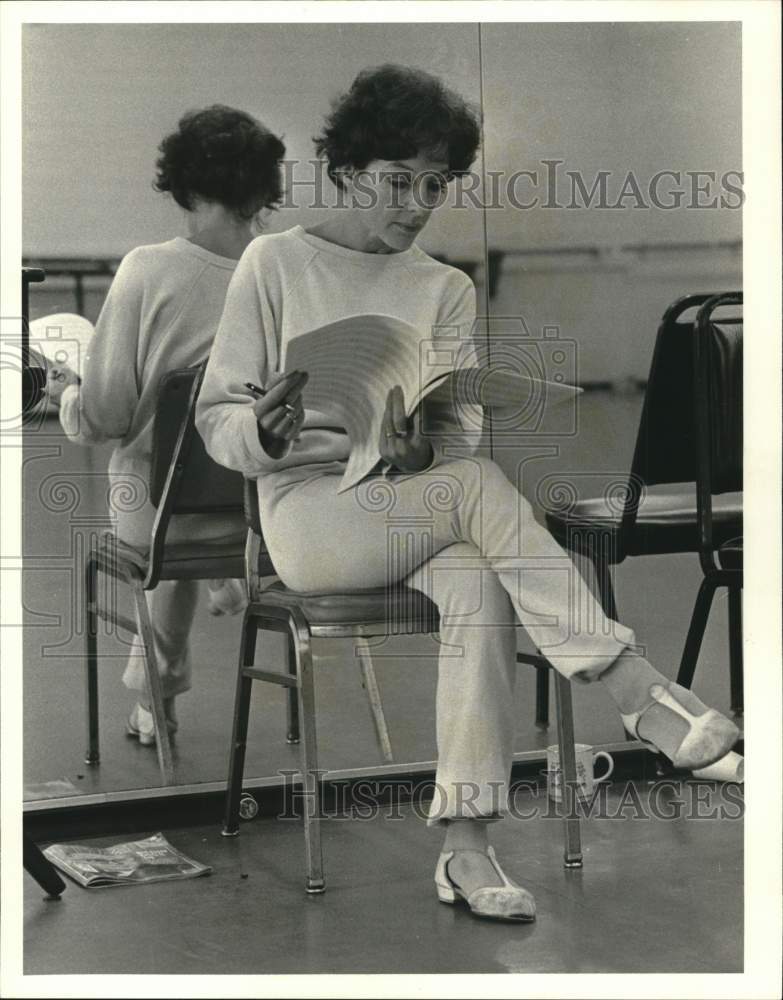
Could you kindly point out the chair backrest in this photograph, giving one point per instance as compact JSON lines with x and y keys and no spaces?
{"x":183,"y":478}
{"x":718,"y":388}
{"x":668,"y":443}
{"x":252,"y":512}
{"x":194,"y":483}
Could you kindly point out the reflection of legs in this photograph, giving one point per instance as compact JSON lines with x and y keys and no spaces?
{"x":172,"y":607}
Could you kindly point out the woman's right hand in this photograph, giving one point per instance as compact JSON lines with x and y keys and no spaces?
{"x":58,"y":378}
{"x":280,"y":413}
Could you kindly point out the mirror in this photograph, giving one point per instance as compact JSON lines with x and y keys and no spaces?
{"x":571,"y":112}
{"x":613,"y":152}
{"x":98,"y":99}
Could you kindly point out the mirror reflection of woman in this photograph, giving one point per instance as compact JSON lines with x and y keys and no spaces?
{"x":222,"y":167}
{"x":481,"y":556}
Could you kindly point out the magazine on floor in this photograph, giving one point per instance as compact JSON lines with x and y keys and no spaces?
{"x":135,"y":863}
{"x":353,"y":363}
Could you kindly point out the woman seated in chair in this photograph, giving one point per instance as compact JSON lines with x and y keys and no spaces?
{"x":161,"y":313}
{"x":482,"y":557}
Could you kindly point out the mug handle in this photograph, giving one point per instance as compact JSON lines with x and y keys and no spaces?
{"x":608,"y":756}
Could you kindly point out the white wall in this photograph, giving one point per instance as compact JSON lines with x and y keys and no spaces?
{"x":617,"y":97}
{"x":99,"y":98}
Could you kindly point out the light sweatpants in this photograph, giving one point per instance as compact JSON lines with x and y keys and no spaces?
{"x":172,"y":603}
{"x":462,"y":534}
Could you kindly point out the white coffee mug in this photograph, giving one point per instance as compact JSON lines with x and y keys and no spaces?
{"x":585,"y":777}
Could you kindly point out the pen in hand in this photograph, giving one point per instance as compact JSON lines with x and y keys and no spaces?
{"x":258,"y":392}
{"x":295,"y":382}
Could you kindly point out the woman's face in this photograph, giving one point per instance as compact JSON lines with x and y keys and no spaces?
{"x":393,"y":199}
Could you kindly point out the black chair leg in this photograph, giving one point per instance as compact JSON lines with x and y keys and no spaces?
{"x":236,"y":763}
{"x":93,"y":755}
{"x":603,"y":572}
{"x":693,"y":641}
{"x":542,"y":697}
{"x":311,"y":795}
{"x":292,"y":702}
{"x":735,"y":650}
{"x":40,"y":867}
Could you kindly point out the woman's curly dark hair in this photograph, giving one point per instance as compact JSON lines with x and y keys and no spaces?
{"x":221,"y":155}
{"x":395,"y":112}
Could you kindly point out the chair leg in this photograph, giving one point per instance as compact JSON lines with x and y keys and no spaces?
{"x":370,"y":685}
{"x":144,"y":625}
{"x":93,"y":754}
{"x":236,"y":762}
{"x":301,"y":650}
{"x":698,"y":625}
{"x":565,"y":737}
{"x":542,"y":697}
{"x":292,"y":702}
{"x":40,"y":867}
{"x":735,"y":650}
{"x":603,"y":572}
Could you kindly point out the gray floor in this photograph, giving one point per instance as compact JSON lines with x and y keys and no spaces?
{"x":653,"y":896}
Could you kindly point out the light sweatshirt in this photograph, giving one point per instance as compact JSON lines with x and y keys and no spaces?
{"x":290,"y":283}
{"x":161,"y":313}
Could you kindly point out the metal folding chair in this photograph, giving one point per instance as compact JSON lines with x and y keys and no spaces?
{"x":183,"y":480}
{"x":358,"y":615}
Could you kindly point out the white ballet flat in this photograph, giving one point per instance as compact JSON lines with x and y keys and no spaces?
{"x":493,"y":902}
{"x":710,"y":735}
{"x":230,"y":599}
{"x":141,"y":726}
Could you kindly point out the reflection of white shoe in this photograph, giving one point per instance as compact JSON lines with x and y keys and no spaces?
{"x":141,"y":725}
{"x":728,"y":768}
{"x":710,"y":735}
{"x":230,"y":599}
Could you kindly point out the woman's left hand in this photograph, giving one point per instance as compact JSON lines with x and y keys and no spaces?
{"x":401,"y":442}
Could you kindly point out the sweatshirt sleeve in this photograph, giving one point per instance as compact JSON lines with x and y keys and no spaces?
{"x":245,"y":350}
{"x":102,"y":407}
{"x":454,"y":428}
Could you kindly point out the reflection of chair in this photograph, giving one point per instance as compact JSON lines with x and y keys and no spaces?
{"x":41,"y":868}
{"x":183,"y":480}
{"x":33,"y":376}
{"x":667,"y":452}
{"x":358,"y":615}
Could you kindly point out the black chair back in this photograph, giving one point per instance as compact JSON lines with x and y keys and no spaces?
{"x":201,"y":485}
{"x":252,"y":512}
{"x":718,"y":373}
{"x":668,"y":441}
{"x":183,"y":478}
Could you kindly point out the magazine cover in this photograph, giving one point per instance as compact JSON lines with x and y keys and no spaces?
{"x":140,"y":861}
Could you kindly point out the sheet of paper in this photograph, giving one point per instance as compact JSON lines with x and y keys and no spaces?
{"x":354,"y":362}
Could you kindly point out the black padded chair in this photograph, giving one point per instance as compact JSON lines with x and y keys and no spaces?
{"x":718,"y":394}
{"x":694,"y":395}
{"x":183,"y":480}
{"x":397,"y":610}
